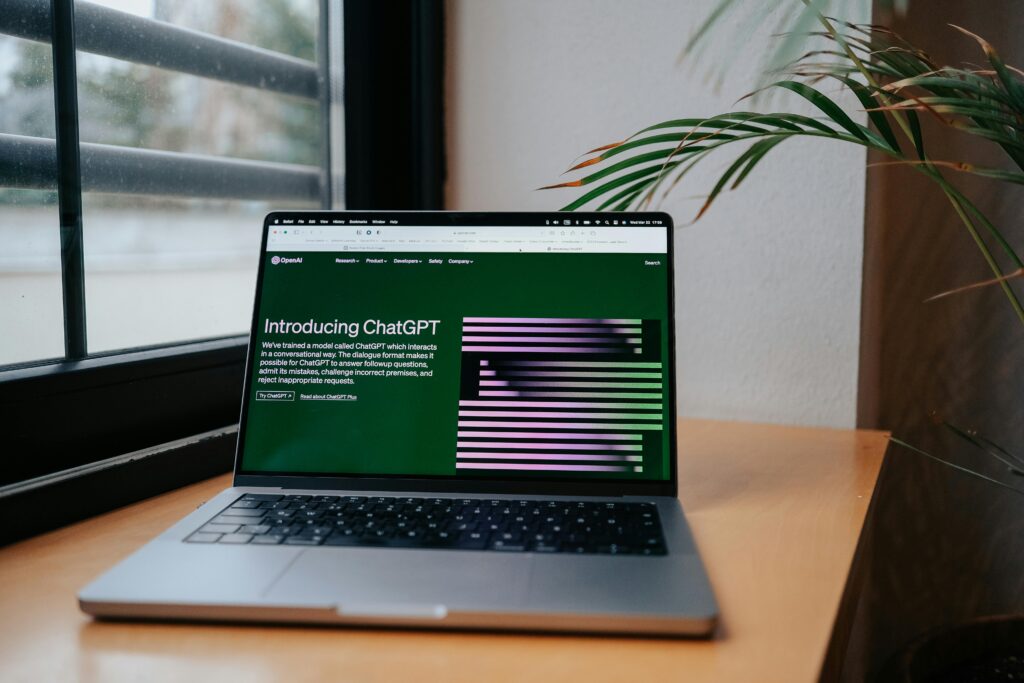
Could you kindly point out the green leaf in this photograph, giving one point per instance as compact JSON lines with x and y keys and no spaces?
{"x":657,"y":139}
{"x":944,"y":84}
{"x":632,"y":189}
{"x":763,"y":147}
{"x":983,"y":171}
{"x":1014,"y":88}
{"x":915,"y":133}
{"x":997,"y":174}
{"x":867,"y":99}
{"x":789,"y":46}
{"x":994,"y":136}
{"x":830,"y":108}
{"x":752,"y":155}
{"x":682,"y":172}
{"x":716,"y":14}
{"x":967,"y":204}
{"x":612,"y":184}
{"x":624,"y":204}
{"x":711,"y":122}
{"x":635,"y":160}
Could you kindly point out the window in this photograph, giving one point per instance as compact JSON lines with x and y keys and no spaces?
{"x":194,"y":119}
{"x":30,"y":291}
{"x":141,"y":143}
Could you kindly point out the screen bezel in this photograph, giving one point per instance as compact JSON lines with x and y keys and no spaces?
{"x":463,"y":484}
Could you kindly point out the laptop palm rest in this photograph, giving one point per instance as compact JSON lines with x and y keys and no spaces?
{"x":417,"y":584}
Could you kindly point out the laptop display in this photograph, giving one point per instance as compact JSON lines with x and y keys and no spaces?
{"x":505,"y":346}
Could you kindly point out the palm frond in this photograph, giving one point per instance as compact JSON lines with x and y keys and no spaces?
{"x":894,"y":83}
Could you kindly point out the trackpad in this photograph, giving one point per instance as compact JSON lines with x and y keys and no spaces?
{"x":415,"y":578}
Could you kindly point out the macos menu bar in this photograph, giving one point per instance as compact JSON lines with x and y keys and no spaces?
{"x":382,"y":236}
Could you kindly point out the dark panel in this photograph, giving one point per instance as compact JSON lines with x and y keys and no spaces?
{"x":65,"y":415}
{"x":941,"y":547}
{"x":42,"y":505}
{"x":394,"y":116}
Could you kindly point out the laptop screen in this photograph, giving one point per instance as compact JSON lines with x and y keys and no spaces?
{"x":504,"y":346}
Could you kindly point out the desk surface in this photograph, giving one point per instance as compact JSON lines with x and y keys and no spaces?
{"x":776,"y":511}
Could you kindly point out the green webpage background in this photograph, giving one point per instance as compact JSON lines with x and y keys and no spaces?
{"x":408,"y":426}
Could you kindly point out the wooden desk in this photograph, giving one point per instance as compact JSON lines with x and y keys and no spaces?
{"x":776,"y":511}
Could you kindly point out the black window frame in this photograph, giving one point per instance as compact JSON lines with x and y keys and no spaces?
{"x":114,"y":428}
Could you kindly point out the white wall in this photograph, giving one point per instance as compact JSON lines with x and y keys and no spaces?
{"x":768,"y":284}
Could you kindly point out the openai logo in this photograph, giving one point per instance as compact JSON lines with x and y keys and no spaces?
{"x":275,"y":260}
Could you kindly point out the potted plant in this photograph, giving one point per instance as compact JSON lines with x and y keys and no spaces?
{"x":896,"y":84}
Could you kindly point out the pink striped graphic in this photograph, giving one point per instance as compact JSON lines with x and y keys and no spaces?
{"x":551,"y":329}
{"x":565,"y":384}
{"x":489,"y":434}
{"x":467,"y":455}
{"x":553,"y":468}
{"x":550,"y":446}
{"x":552,"y":340}
{"x":571,"y":394}
{"x":558,"y":321}
{"x":552,"y":349}
{"x":559,"y":425}
{"x":559,"y":404}
{"x":571,"y":415}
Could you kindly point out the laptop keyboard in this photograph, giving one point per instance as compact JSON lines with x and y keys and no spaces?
{"x":447,"y":523}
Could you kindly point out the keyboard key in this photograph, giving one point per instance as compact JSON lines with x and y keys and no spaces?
{"x":262,"y":497}
{"x":202,"y":537}
{"x":472,"y":540}
{"x":220,"y":528}
{"x":242,"y":512}
{"x":235,"y":538}
{"x":343,"y":539}
{"x":505,"y":545}
{"x":255,"y":529}
{"x":304,"y":540}
{"x":231,"y":519}
{"x":267,"y":539}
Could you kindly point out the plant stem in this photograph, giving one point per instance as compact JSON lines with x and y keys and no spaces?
{"x":947,"y":463}
{"x":1010,"y":295}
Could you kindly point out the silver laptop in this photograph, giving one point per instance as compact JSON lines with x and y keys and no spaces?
{"x":451,"y":420}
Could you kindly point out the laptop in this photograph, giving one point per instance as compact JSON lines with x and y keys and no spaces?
{"x":449,"y":420}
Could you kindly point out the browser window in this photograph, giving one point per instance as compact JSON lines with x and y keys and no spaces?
{"x":532,"y":351}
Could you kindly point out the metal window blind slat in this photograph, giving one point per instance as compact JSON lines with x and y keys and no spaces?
{"x":31,"y":163}
{"x":120,"y":35}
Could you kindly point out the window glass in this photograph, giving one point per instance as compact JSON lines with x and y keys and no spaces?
{"x":133,"y":105}
{"x":162,"y":269}
{"x":30,"y":285}
{"x":285,"y":26}
{"x":163,"y":265}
